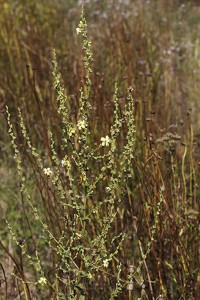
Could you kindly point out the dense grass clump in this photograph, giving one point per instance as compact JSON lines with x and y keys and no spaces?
{"x":100,"y":169}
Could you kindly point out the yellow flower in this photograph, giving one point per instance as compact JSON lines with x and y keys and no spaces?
{"x":105,"y":141}
{"x":105,"y":263}
{"x":81,"y":124}
{"x":42,"y":281}
{"x":71,"y":131}
{"x":78,"y":30}
{"x":47,"y":171}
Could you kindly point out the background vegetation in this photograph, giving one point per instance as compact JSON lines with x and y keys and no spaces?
{"x":105,"y":203}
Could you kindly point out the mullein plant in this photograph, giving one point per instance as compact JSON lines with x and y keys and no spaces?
{"x":82,"y":239}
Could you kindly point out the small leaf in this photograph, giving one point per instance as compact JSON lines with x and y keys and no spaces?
{"x":169,"y":265}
